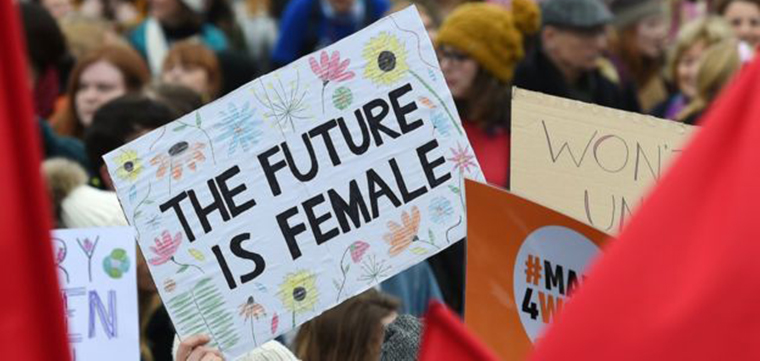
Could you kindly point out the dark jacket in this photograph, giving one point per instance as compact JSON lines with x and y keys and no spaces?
{"x":538,"y":73}
{"x":56,"y":146}
{"x":304,"y":27}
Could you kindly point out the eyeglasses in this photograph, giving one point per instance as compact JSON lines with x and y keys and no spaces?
{"x":451,"y":55}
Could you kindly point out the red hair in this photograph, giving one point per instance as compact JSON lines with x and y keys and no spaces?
{"x":131,"y":66}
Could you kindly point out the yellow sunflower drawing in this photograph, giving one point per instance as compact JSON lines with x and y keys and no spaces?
{"x":130,"y":165}
{"x":298,"y":293}
{"x":386,"y":59}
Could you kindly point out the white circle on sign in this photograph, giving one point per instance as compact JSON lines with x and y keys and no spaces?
{"x":540,"y":291}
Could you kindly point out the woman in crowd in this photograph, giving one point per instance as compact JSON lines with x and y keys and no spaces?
{"x":171,"y":21}
{"x":353,"y":331}
{"x":102,"y":75}
{"x":195,"y":66}
{"x":744,"y":17}
{"x":479,"y":46}
{"x":692,"y":41}
{"x":638,"y":47}
{"x":718,"y":66}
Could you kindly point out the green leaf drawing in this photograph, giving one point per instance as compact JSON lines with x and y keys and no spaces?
{"x":336,"y":283}
{"x":183,"y":268}
{"x":431,"y":236}
{"x":180,"y":128}
{"x":198,"y":119}
{"x":203,"y":310}
{"x":454,"y":189}
{"x":148,"y":201}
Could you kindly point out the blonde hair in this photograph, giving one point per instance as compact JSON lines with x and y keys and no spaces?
{"x":719,"y":64}
{"x":709,"y":30}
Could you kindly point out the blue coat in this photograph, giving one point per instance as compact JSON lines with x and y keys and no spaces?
{"x":304,"y":27}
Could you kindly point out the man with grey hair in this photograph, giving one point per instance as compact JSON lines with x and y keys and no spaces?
{"x":568,"y":60}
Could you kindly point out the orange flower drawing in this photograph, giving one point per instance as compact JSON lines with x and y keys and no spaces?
{"x":179,"y":155}
{"x":401,"y":236}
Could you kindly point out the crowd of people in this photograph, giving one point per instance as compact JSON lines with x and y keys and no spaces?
{"x":104,"y":72}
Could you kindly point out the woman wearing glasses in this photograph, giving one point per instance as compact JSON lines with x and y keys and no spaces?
{"x":479,"y":46}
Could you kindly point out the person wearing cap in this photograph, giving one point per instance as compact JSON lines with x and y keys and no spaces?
{"x":638,"y":47}
{"x":568,"y":59}
{"x":170,"y":21}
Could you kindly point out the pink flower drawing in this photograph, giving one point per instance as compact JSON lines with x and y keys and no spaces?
{"x":358,"y":249}
{"x":165,"y":248}
{"x":88,"y":245}
{"x":60,"y":256}
{"x":330,"y":68}
{"x":462,"y":159}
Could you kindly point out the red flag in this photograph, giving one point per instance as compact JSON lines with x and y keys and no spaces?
{"x":446,"y":338}
{"x":682,"y":281}
{"x":31,"y":313}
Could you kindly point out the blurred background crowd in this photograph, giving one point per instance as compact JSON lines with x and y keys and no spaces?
{"x":104,"y":72}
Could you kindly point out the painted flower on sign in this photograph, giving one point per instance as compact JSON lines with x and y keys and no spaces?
{"x":402,"y":235}
{"x":165,"y":248}
{"x":462,"y":159}
{"x":441,"y":210}
{"x":252,"y":311}
{"x":386,"y":57}
{"x":129,"y":165}
{"x":374,"y":270}
{"x":181,"y":154}
{"x":330,"y":68}
{"x":238,"y":127}
{"x":298,"y":293}
{"x":88,"y":246}
{"x":60,"y":251}
{"x":357,"y":251}
{"x":441,"y":124}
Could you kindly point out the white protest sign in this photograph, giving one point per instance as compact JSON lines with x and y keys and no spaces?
{"x":589,"y":162}
{"x":300,"y":189}
{"x":96,"y":268}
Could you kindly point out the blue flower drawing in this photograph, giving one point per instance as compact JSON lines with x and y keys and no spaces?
{"x":441,"y":123}
{"x":239,"y":128}
{"x":441,"y":211}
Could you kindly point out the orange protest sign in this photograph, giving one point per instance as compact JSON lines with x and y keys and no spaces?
{"x":523,"y":261}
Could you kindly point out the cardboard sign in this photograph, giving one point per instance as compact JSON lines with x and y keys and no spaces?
{"x":96,"y":268}
{"x":301,"y":188}
{"x":523,"y":261}
{"x":592,"y":163}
